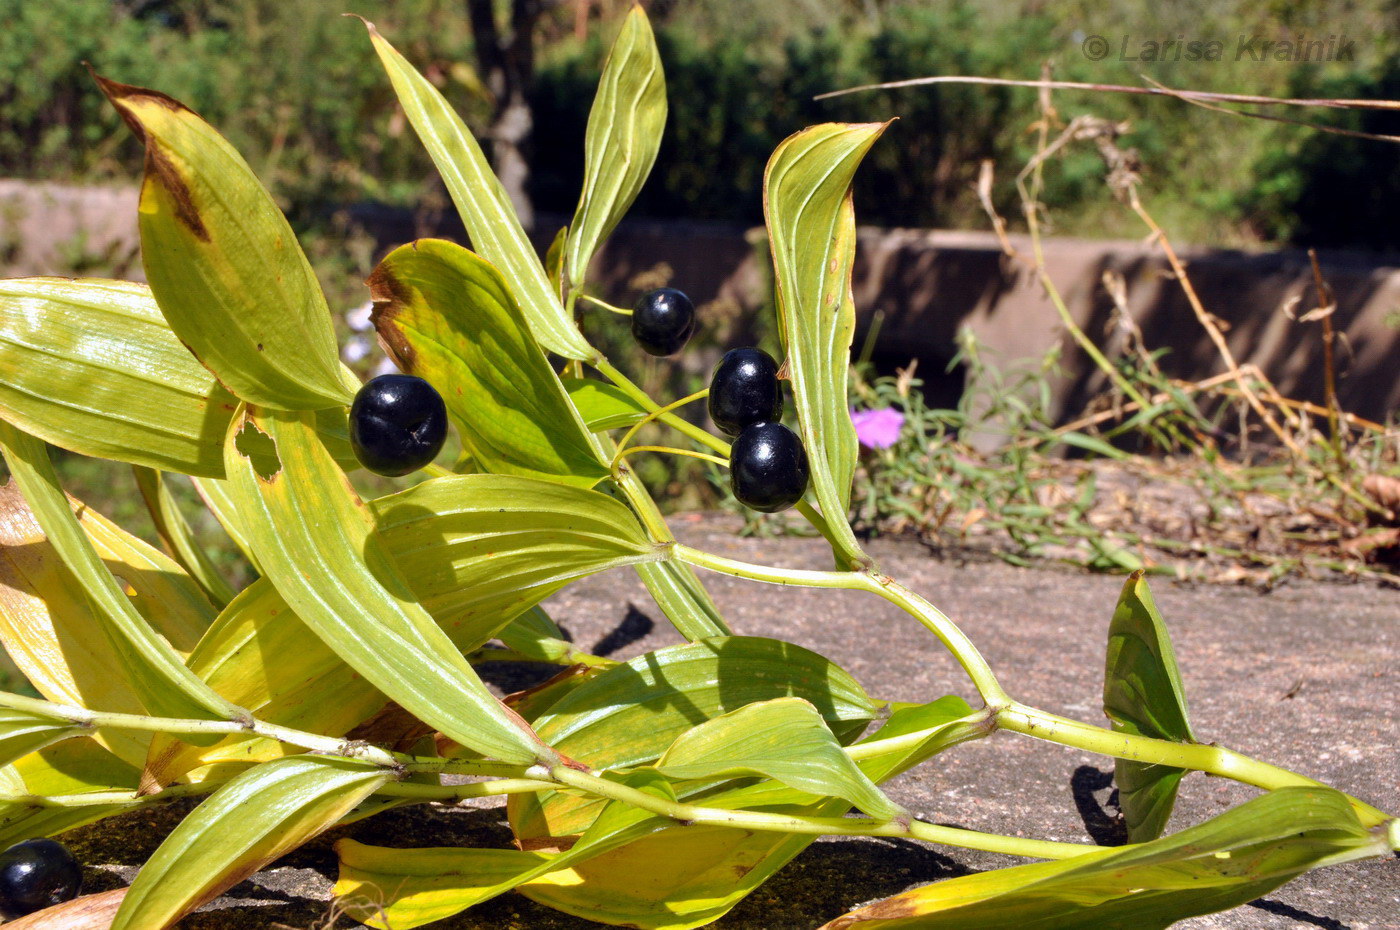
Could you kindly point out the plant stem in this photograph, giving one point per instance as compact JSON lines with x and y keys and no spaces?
{"x":476,"y":789}
{"x":931,"y":617}
{"x":627,"y":436}
{"x":670,"y":450}
{"x":89,"y":719}
{"x":603,"y":303}
{"x":828,"y":826}
{"x":680,"y":424}
{"x":1213,"y":760}
{"x":693,"y":432}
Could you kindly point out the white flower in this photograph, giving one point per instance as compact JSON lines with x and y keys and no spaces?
{"x":355,"y":349}
{"x":358,"y":319}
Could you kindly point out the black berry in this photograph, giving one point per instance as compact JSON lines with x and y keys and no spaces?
{"x":744,"y":389}
{"x":663,"y":321}
{"x":397,"y":424}
{"x":37,"y":874}
{"x":768,"y":467}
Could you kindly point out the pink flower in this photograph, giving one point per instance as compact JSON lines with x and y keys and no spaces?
{"x":878,"y":429}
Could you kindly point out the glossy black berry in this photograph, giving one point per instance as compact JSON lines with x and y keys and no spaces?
{"x":768,"y":467}
{"x":37,"y":874}
{"x":663,"y":321}
{"x":744,"y":389}
{"x":397,"y":424}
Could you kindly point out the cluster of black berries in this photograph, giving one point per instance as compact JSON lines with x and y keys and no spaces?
{"x":398,"y":423}
{"x":768,"y":468}
{"x":37,"y":874}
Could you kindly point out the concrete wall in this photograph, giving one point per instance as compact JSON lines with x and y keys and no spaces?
{"x":928,"y":284}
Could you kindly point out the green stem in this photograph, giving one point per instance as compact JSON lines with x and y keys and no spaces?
{"x":931,"y":617}
{"x":627,"y":436}
{"x":89,"y":719}
{"x":602,"y":303}
{"x":478,"y":789}
{"x":1213,"y":760}
{"x":819,"y":826}
{"x":643,"y":399}
{"x":671,"y":450}
{"x":690,"y":430}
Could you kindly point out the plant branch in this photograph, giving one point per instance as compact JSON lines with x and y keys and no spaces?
{"x":820,"y":826}
{"x":931,"y":617}
{"x":1213,"y":760}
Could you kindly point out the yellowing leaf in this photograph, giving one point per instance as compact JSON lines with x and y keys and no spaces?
{"x":224,"y":265}
{"x":420,"y":886}
{"x":812,"y":233}
{"x":475,"y":550}
{"x":312,"y":536}
{"x":91,"y":366}
{"x":448,"y":316}
{"x":246,"y":824}
{"x":1226,"y":861}
{"x":490,"y":219}
{"x":143,"y":661}
{"x":624,"y":133}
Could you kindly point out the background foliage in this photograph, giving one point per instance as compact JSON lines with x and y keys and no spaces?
{"x":292,"y":86}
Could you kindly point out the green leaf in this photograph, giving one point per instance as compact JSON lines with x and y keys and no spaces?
{"x":602,"y":405}
{"x":446,"y":315}
{"x":140,"y":658}
{"x":784,"y":739}
{"x":491,"y":222}
{"x":75,"y":766}
{"x":812,"y":233}
{"x":249,"y":822}
{"x":1143,"y":694}
{"x":535,"y":636}
{"x":224,"y":265}
{"x":26,"y":731}
{"x":92,"y":366}
{"x":683,"y":599}
{"x":217,"y":497}
{"x":624,"y":133}
{"x":1225,"y":862}
{"x":179,"y":539}
{"x":1092,"y":444}
{"x":420,"y":886}
{"x":914,"y":733}
{"x":475,"y":550}
{"x":628,"y":715}
{"x":312,"y":536}
{"x":554,"y":261}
